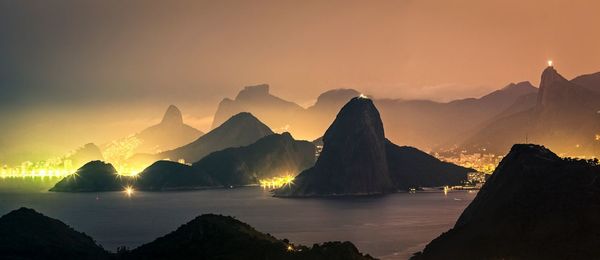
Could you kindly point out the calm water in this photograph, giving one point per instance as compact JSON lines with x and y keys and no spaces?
{"x":390,"y":227}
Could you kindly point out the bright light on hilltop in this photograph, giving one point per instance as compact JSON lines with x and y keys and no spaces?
{"x":550,"y":63}
{"x":363,"y":96}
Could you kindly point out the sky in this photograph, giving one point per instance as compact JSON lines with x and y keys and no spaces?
{"x":77,"y":71}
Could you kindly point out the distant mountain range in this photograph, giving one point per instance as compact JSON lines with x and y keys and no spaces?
{"x":420,"y":123}
{"x":358,"y":160}
{"x":535,"y":205}
{"x":27,"y":234}
{"x":565,"y":117}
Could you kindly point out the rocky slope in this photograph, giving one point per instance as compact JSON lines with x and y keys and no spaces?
{"x":535,"y":205}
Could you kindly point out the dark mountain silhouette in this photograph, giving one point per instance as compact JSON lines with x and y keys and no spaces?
{"x":93,"y":176}
{"x":274,"y":111}
{"x":564,"y":118}
{"x":218,"y":237}
{"x":357,"y":159}
{"x":353,"y":160}
{"x":411,"y":168}
{"x":167,"y":175}
{"x":271,"y":156}
{"x":535,"y":205}
{"x":239,"y":130}
{"x":170,"y":133}
{"x":26,"y":234}
{"x":589,"y":81}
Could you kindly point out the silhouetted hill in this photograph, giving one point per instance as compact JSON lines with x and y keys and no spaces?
{"x":218,"y":237}
{"x":564,"y":118}
{"x":274,"y":111}
{"x":589,"y":81}
{"x":167,"y":175}
{"x":93,"y":176}
{"x":353,"y":160}
{"x":26,"y":234}
{"x":271,"y":156}
{"x":411,"y":168}
{"x":535,"y":205}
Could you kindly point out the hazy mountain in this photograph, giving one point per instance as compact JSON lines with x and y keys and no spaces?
{"x":589,"y":81}
{"x":353,"y":160}
{"x":421,"y":123}
{"x":411,"y":168}
{"x":428,"y":125}
{"x":272,"y":156}
{"x":535,"y":205}
{"x":84,"y":154}
{"x":93,"y":176}
{"x":26,"y":234}
{"x":170,"y":133}
{"x":239,"y":130}
{"x":218,"y":237}
{"x":565,"y":118}
{"x":274,"y":111}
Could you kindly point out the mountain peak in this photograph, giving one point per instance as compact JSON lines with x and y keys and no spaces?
{"x":172,"y":116}
{"x":253,"y":91}
{"x":552,"y":87}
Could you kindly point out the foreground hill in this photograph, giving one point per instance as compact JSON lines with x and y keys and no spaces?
{"x":357,"y":160}
{"x":565,"y":118}
{"x":535,"y":205}
{"x":218,"y":237}
{"x":26,"y":234}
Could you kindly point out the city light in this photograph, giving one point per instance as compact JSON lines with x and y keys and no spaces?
{"x":128,"y":191}
{"x":277,"y":182}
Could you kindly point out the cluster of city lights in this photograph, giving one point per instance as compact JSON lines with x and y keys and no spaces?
{"x":277,"y":182}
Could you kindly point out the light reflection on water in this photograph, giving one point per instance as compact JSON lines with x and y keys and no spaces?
{"x":390,"y":227}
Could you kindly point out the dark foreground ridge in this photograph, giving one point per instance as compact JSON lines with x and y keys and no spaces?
{"x":536,"y":205}
{"x":26,"y":234}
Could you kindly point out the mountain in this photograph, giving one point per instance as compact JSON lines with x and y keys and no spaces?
{"x":430,"y":125}
{"x":239,"y":130}
{"x":167,"y":175}
{"x":84,"y":154}
{"x":589,"y":81}
{"x":353,"y":160}
{"x":218,"y":237}
{"x":565,"y":118}
{"x":535,"y":205}
{"x":93,"y":176}
{"x":313,"y":121}
{"x":271,"y":156}
{"x":170,"y":133}
{"x":257,"y":100}
{"x":411,"y":168}
{"x":27,"y":234}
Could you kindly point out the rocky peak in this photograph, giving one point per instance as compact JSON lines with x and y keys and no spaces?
{"x":251,"y":92}
{"x":553,"y":87}
{"x":172,"y":116}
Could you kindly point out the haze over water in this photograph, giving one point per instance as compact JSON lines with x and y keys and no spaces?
{"x":392,"y":227}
